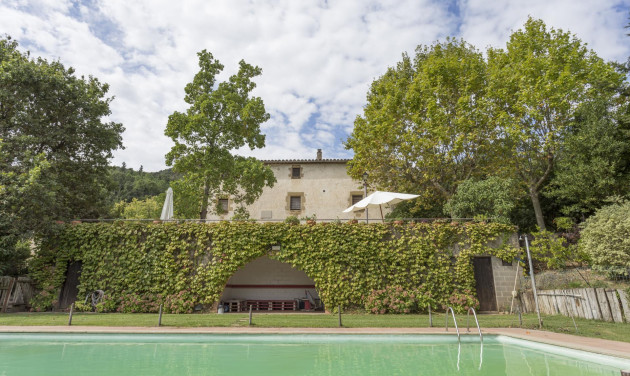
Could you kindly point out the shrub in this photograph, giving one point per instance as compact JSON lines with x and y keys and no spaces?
{"x":135,"y":303}
{"x":107,"y":304}
{"x":292,"y":220}
{"x":181,"y":302}
{"x":396,"y":299}
{"x":605,"y":238}
{"x":551,"y":249}
{"x":461,"y":301}
{"x":82,"y":306}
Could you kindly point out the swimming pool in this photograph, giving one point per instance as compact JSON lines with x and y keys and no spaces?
{"x":287,"y":354}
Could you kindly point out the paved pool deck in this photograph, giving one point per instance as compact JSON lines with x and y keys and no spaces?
{"x":595,"y":345}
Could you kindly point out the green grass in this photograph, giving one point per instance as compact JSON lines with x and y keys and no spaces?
{"x":559,"y":324}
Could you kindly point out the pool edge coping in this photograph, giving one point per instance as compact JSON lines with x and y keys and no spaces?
{"x":594,"y":345}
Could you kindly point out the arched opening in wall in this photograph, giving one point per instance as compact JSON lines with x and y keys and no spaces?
{"x":269,"y":285}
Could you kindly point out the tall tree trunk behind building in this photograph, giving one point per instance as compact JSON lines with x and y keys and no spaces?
{"x":540,"y":220}
{"x":204,"y":201}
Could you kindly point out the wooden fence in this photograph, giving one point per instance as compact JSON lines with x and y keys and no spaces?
{"x":15,"y":293}
{"x":589,"y":303}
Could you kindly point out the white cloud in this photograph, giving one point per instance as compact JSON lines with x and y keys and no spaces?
{"x":318,"y":57}
{"x":598,"y":23}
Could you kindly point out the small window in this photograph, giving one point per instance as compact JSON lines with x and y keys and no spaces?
{"x":296,"y":172}
{"x":356,"y":198}
{"x":296,"y":203}
{"x":223,"y":205}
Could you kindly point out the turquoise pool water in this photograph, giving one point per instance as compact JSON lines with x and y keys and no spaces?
{"x":198,"y":354}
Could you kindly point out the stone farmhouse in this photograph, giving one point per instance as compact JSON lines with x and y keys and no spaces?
{"x":305,"y":188}
{"x":322,"y":188}
{"x":319,"y":188}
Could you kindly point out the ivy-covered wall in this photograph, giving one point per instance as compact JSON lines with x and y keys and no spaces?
{"x":140,"y":265}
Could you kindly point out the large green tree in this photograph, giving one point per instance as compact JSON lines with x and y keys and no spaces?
{"x":424,"y":128}
{"x":129,"y":184}
{"x":222,"y":117}
{"x":24,"y":200}
{"x":55,"y":145}
{"x":595,"y":160}
{"x":537,"y":85}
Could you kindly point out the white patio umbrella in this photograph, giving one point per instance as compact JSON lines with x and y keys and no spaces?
{"x":167,"y":209}
{"x":379,"y":198}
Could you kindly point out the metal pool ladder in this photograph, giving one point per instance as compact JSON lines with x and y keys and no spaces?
{"x":476,"y":321}
{"x":454,"y":321}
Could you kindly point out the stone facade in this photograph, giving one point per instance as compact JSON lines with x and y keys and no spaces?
{"x":321,"y":186}
{"x":504,"y":275}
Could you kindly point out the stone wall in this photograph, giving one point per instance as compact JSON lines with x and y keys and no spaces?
{"x":504,"y":275}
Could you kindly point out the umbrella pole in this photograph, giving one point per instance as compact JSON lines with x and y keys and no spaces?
{"x":381,"y":207}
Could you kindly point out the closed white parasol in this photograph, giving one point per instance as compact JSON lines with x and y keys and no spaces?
{"x":167,"y":209}
{"x":379,"y":198}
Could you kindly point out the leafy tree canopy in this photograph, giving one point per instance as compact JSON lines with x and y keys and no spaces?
{"x":523,"y":113}
{"x":129,"y":184}
{"x":149,"y":208}
{"x":423,"y":129}
{"x":490,"y":198}
{"x":49,"y":113}
{"x":536,"y":87}
{"x":55,"y":145}
{"x":221,"y":117}
{"x":595,"y":160}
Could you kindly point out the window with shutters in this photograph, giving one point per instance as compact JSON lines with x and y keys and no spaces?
{"x":353,"y":198}
{"x":296,"y":203}
{"x":224,"y":205}
{"x":296,"y":172}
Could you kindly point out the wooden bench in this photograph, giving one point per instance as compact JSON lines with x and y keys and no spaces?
{"x":271,"y":305}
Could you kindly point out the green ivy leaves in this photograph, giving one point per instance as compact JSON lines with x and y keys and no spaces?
{"x":346,"y":261}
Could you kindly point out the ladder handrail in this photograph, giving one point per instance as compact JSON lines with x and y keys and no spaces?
{"x":477,"y":321}
{"x":454,"y":321}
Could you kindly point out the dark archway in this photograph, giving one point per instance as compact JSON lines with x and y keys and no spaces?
{"x":270,"y":285}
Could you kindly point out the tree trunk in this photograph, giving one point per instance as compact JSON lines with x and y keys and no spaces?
{"x":540,"y":220}
{"x":204,"y":201}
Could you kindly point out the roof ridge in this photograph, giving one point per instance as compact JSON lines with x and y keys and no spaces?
{"x":308,"y":160}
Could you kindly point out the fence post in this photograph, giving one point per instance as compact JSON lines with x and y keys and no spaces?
{"x":5,"y":304}
{"x":250,"y":315}
{"x":160,"y":317}
{"x":531,"y":273}
{"x":70,"y":316}
{"x":339,"y":311}
{"x":430,"y":317}
{"x":569,"y":310}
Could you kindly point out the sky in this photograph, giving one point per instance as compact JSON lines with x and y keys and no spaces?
{"x":318,"y":57}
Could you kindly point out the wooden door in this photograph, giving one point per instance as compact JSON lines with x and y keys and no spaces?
{"x":485,"y":284}
{"x":70,"y":288}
